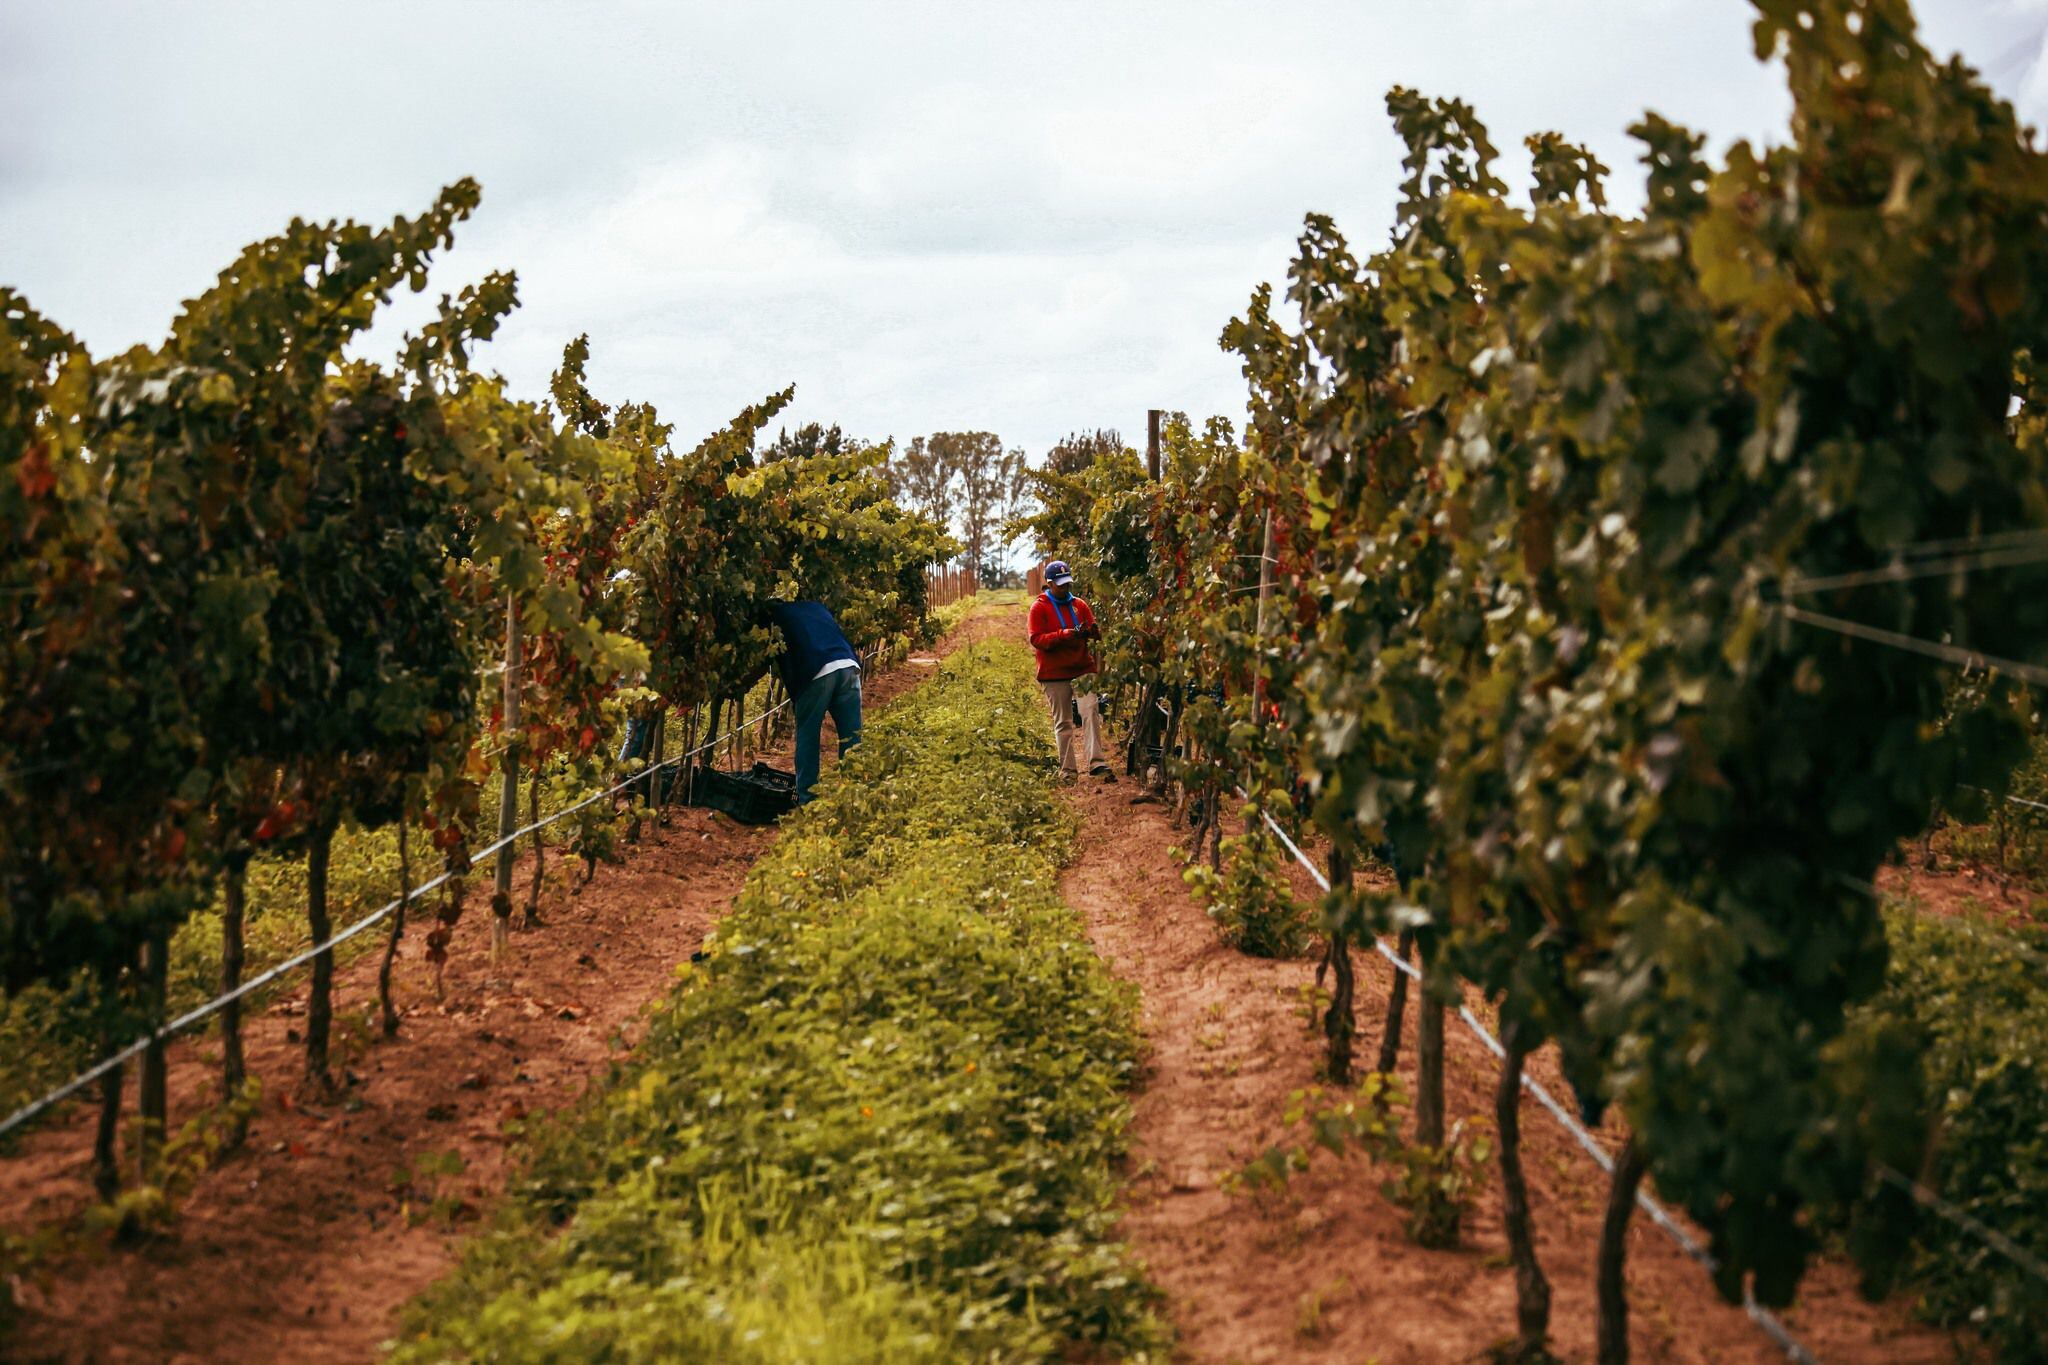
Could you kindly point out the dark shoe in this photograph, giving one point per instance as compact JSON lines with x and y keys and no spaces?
{"x":1103,"y":771}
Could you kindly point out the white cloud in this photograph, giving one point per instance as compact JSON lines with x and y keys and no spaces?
{"x":711,"y":214}
{"x":1025,"y":219}
{"x":1211,"y":138}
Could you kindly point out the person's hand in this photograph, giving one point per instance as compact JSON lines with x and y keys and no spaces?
{"x":1091,"y":631}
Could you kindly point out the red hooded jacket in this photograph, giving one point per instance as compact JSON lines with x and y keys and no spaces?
{"x":1063,"y":651}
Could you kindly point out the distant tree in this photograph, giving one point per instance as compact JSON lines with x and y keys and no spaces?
{"x":921,"y":478}
{"x":965,"y":480}
{"x":1018,"y":501}
{"x":986,"y":473}
{"x":1013,"y":496}
{"x":811,"y":439}
{"x":1081,"y":449}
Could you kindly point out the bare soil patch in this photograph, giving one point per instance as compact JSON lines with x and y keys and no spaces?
{"x":1962,"y":888}
{"x":304,"y":1244}
{"x":1324,"y":1272}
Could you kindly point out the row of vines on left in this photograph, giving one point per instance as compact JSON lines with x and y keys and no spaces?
{"x":261,"y":590}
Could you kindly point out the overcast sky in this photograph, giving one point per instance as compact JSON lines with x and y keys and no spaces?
{"x":1025,"y":218}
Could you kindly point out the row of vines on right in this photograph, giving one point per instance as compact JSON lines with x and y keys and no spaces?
{"x":1612,"y":579}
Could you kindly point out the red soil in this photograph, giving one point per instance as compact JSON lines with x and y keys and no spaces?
{"x":303,"y":1245}
{"x":1961,"y":888}
{"x":1324,"y":1271}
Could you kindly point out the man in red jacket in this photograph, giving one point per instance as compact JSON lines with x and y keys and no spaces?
{"x":1062,"y":631}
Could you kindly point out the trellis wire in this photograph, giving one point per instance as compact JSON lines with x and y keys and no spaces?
{"x":2007,"y":798}
{"x":2030,"y":547}
{"x":1913,"y":644}
{"x":1984,"y":1232}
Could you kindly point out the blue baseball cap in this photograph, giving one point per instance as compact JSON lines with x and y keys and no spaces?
{"x":1057,"y":573}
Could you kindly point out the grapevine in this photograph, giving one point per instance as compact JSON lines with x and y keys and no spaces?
{"x":267,"y":592}
{"x":1530,"y":484}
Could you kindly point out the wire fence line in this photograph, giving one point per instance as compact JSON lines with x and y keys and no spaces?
{"x":201,"y":1013}
{"x":1761,"y":1316}
{"x":1913,"y":644}
{"x":1985,"y":1233}
{"x":2006,"y":797}
{"x":1956,"y":544}
{"x":2020,"y":549}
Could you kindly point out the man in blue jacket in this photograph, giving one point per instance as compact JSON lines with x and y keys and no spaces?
{"x":820,"y":671}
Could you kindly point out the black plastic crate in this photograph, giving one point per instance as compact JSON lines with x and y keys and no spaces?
{"x":760,"y":796}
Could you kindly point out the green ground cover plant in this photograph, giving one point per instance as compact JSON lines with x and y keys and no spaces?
{"x":1248,"y":896}
{"x":877,"y":1123}
{"x":1970,"y":1003}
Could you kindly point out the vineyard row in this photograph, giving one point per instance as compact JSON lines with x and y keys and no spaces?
{"x":265,"y":594}
{"x":1497,"y":593}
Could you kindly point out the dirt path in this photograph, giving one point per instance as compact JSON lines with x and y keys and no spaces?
{"x":1324,"y":1272}
{"x":1961,"y":888}
{"x":303,"y":1245}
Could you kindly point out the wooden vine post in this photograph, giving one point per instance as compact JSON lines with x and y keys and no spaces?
{"x":1338,"y":1023}
{"x":689,"y":764}
{"x":1259,"y":716}
{"x":1252,"y":825}
{"x":1429,"y":1061}
{"x":532,"y":918}
{"x":716,"y":714}
{"x":106,"y":1169}
{"x":387,"y":1011}
{"x":320,"y":1000}
{"x":234,"y":909}
{"x":508,"y":802}
{"x":152,"y":1090}
{"x":657,"y":755}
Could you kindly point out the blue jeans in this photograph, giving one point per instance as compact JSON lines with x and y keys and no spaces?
{"x":838,"y":692}
{"x":638,"y":732}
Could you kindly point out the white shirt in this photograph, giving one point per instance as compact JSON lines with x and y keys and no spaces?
{"x":834,"y":667}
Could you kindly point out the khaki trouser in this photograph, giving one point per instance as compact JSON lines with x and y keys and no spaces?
{"x":1062,"y":700}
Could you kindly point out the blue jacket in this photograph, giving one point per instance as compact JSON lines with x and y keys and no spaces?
{"x":811,"y":639}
